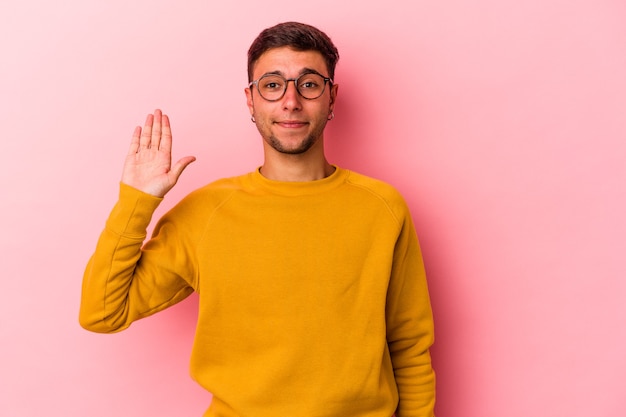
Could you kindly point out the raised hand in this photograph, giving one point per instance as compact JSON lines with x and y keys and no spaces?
{"x":148,"y":165}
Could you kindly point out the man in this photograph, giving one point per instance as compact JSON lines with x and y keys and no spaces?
{"x":312,"y":294}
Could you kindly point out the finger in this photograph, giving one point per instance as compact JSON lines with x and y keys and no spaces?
{"x":156,"y":130}
{"x":134,"y":142}
{"x":146,"y":135}
{"x":166,"y":135}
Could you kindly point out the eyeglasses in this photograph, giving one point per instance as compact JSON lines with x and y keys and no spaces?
{"x":310,"y":85}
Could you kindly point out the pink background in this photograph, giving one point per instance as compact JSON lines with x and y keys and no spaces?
{"x":502,"y":122}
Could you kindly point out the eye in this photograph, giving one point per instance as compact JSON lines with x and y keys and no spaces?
{"x":309,"y":85}
{"x":271,"y":86}
{"x":311,"y":82}
{"x":271,"y":83}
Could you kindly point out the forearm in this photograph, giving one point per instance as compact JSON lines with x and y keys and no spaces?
{"x":416,"y":387}
{"x":410,"y":328}
{"x":109,"y":275}
{"x":409,"y":347}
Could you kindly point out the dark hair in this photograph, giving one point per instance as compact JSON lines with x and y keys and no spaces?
{"x":299,"y":36}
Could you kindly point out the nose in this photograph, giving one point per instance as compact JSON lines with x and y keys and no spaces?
{"x":291,"y":99}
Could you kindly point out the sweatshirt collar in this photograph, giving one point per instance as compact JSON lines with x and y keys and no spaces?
{"x":297,"y":188}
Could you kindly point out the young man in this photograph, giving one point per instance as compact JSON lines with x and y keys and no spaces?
{"x":313,"y":298}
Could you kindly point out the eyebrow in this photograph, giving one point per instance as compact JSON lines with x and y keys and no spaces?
{"x":302,"y":72}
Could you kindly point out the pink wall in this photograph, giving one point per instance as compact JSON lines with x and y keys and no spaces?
{"x":502,"y":122}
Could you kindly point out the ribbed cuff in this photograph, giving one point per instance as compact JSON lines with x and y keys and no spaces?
{"x":132,"y":213}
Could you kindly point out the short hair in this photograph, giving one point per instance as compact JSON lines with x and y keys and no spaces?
{"x":299,"y":36}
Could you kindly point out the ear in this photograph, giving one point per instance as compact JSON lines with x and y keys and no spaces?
{"x":249,"y":100}
{"x":333,"y":96}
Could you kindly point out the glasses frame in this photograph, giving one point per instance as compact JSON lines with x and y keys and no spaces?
{"x":327,"y":80}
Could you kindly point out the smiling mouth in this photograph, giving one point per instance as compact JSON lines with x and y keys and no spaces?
{"x":291,"y":124}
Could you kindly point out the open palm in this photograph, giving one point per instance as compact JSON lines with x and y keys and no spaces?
{"x":148,"y":165}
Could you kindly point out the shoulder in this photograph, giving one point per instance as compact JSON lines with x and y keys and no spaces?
{"x":214,"y":194}
{"x":380,"y":190}
{"x":222,"y":185}
{"x":375,"y":187}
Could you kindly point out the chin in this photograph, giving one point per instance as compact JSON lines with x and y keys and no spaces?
{"x":299,"y":149}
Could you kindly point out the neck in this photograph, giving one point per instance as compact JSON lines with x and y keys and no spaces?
{"x":296,"y":168}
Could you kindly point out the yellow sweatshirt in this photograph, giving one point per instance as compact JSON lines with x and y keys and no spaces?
{"x":312,"y":295}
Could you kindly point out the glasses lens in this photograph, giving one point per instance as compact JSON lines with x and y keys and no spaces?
{"x":311,"y":85}
{"x":272,"y":87}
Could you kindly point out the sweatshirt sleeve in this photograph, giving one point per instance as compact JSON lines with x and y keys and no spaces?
{"x":410,"y":330}
{"x":125,"y":281}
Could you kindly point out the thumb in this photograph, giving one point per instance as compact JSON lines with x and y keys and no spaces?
{"x":180,"y":166}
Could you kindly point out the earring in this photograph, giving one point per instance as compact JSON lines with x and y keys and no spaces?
{"x":252,"y":119}
{"x":331,"y":116}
